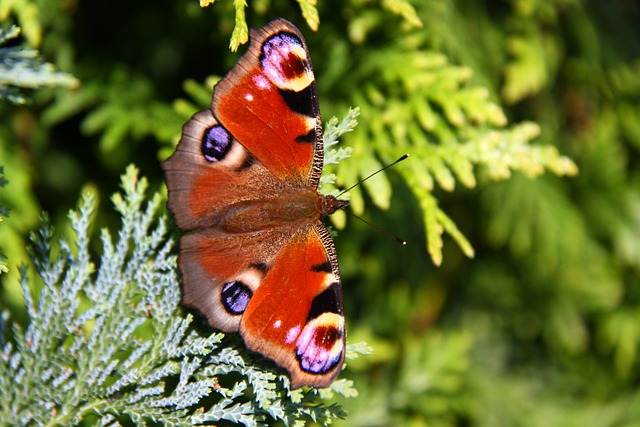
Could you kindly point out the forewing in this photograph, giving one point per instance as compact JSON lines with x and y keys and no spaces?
{"x":209,"y":172}
{"x":268,"y":101}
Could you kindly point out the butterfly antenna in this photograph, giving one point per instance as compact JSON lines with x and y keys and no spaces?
{"x":381,"y":231}
{"x":373,"y":174}
{"x":375,"y":227}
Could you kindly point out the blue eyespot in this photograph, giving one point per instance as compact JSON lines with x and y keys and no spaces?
{"x":216,"y":143}
{"x":236,"y":296}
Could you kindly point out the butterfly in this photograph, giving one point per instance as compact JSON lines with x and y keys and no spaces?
{"x":256,"y":258}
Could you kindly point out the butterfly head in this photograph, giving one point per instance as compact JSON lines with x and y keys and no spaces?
{"x":330,"y":204}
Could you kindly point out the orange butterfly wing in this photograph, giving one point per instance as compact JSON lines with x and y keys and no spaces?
{"x":295,"y":316}
{"x":269,"y":103}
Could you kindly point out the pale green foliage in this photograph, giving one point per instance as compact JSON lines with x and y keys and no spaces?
{"x":310,"y":13}
{"x":334,"y":129}
{"x":240,"y":30}
{"x":106,"y":340}
{"x":27,"y":13}
{"x":240,"y":34}
{"x":404,"y":9}
{"x":469,"y":138}
{"x":24,"y":69}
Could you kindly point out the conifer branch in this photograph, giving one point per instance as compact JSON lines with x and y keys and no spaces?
{"x":22,"y":68}
{"x":108,"y":339}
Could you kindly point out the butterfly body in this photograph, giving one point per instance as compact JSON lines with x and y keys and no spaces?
{"x":242,"y":183}
{"x":292,"y":206}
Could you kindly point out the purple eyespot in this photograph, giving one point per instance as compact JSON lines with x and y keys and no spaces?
{"x":235,"y":297}
{"x":216,"y":143}
{"x":318,"y":348}
{"x":280,"y":60}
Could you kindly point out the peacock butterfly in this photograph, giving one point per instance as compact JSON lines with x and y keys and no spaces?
{"x":243,"y":183}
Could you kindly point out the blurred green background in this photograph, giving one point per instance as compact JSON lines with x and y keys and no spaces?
{"x":541,"y":327}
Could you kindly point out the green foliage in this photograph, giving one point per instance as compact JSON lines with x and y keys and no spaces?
{"x":28,"y":14}
{"x":310,"y":13}
{"x":334,"y":129}
{"x":404,"y":9}
{"x":240,"y":33}
{"x":499,"y":104}
{"x":405,"y":89}
{"x":121,"y":109}
{"x":24,"y":69}
{"x":106,"y":340}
